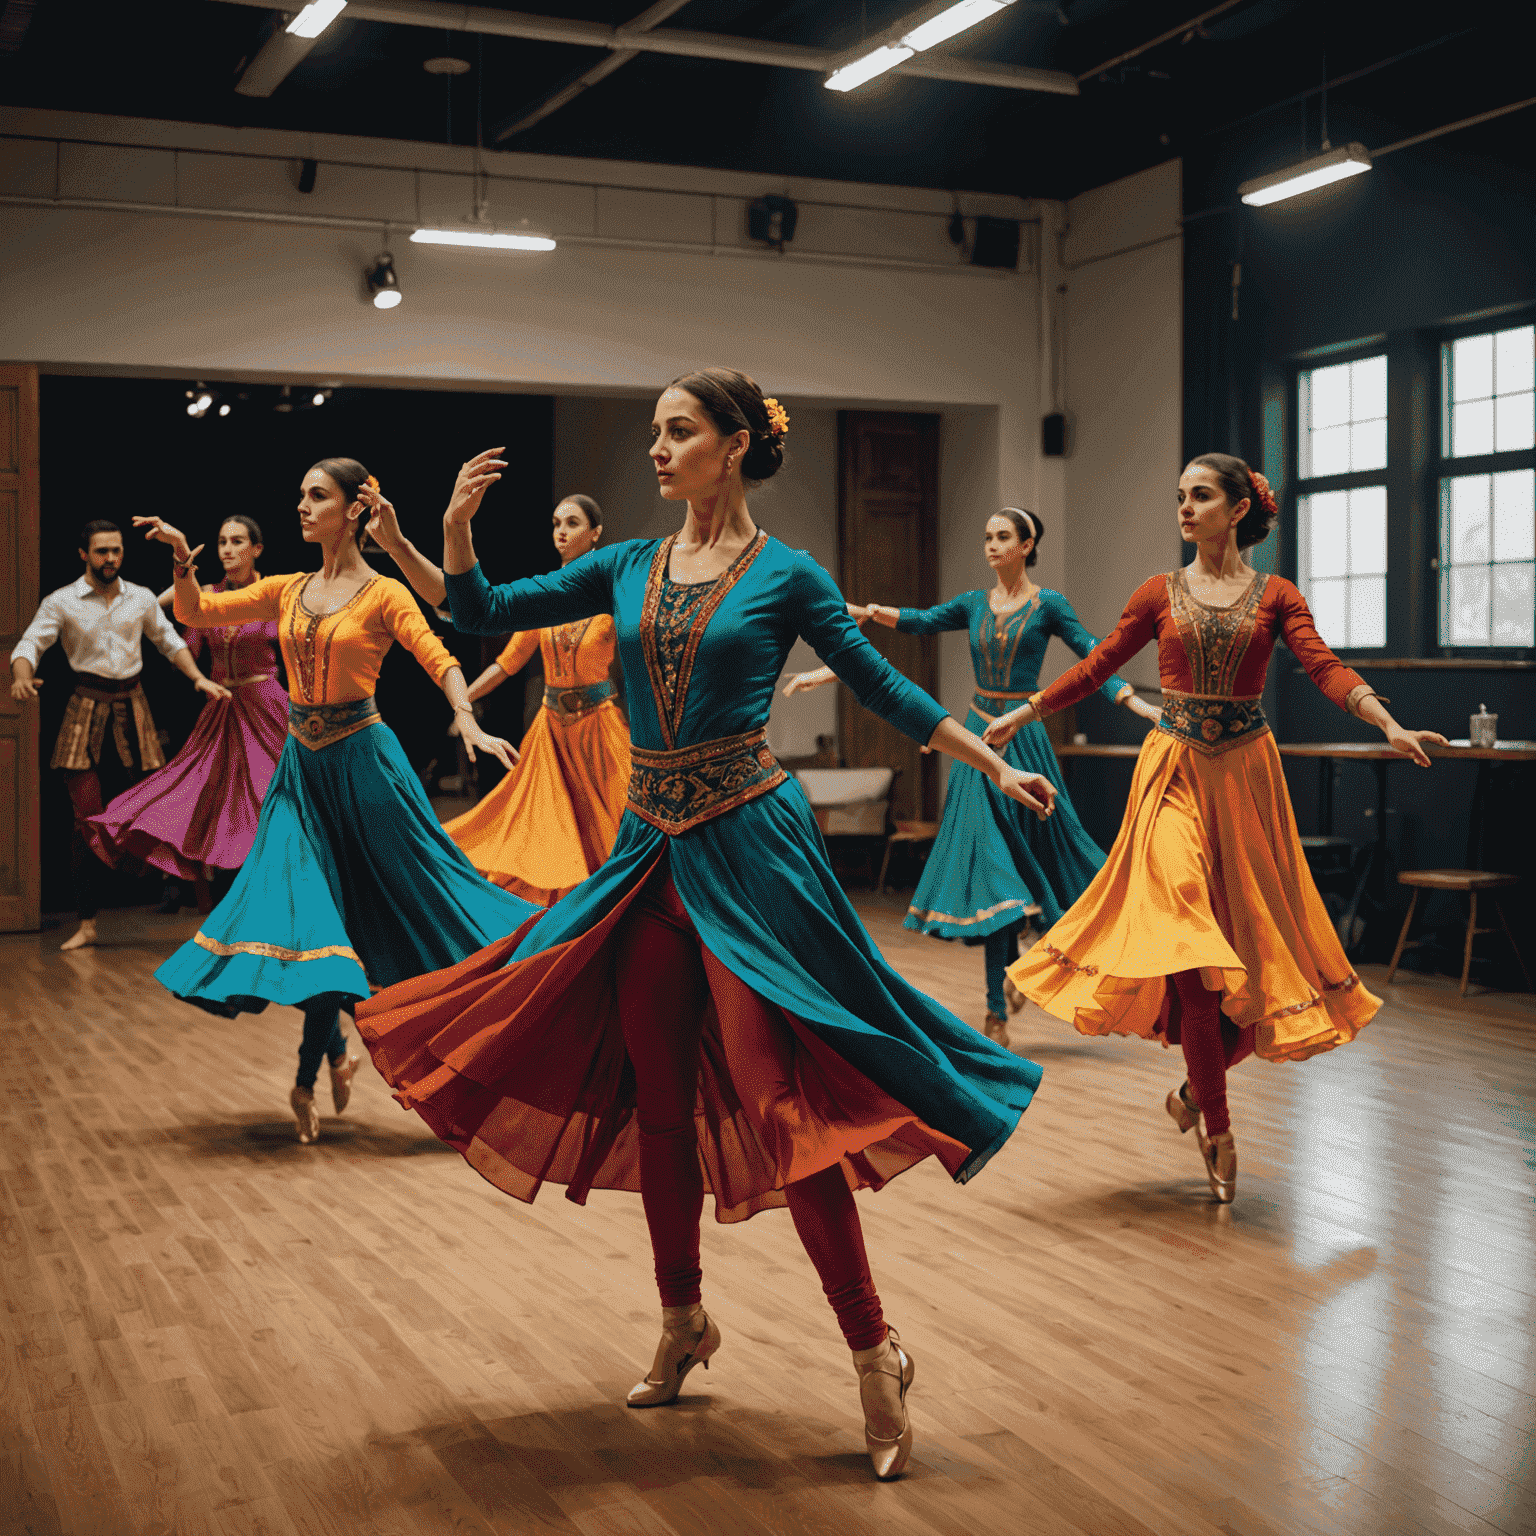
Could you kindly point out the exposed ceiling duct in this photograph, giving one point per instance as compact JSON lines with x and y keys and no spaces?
{"x":441,"y":16}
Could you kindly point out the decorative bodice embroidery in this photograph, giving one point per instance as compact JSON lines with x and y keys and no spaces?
{"x":239,"y":650}
{"x":998,"y":642}
{"x":564,"y":642}
{"x":310,"y":636}
{"x":1214,"y":639}
{"x":672,"y":625}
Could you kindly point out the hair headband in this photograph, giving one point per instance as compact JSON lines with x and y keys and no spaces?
{"x":1034,"y":532}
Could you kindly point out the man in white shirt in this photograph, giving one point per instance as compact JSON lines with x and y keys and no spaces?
{"x":101,"y":621}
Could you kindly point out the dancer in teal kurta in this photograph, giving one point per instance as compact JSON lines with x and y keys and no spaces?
{"x":706,"y":1010}
{"x":991,"y":868}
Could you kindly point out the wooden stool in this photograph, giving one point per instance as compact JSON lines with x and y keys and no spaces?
{"x":913,"y":832}
{"x":1471,"y":881}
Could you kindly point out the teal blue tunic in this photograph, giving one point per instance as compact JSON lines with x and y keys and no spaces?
{"x":755,"y":880}
{"x":993,"y":862}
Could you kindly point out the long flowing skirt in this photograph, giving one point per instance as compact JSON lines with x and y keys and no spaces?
{"x":553,"y":819}
{"x":994,"y":863}
{"x":516,"y":1055}
{"x":200,"y":811}
{"x":1207,"y":874}
{"x":351,"y":884}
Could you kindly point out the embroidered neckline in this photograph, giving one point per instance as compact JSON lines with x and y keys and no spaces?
{"x":1004,"y":632}
{"x":670,"y":675}
{"x":312,"y":660}
{"x":1183,"y":576}
{"x":564,"y":642}
{"x":1214,"y":639}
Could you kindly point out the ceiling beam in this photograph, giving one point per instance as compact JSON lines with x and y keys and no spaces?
{"x":440,"y":15}
{"x":644,"y":22}
{"x":274,"y":61}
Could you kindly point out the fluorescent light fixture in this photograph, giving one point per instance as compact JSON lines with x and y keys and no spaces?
{"x":872,"y":64}
{"x":936,"y":29}
{"x":316,"y":17}
{"x":1332,"y":165}
{"x":483,"y":239}
{"x":956,"y":19}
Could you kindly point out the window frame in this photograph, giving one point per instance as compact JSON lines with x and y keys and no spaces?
{"x":1297,"y":488}
{"x":1441,"y":467}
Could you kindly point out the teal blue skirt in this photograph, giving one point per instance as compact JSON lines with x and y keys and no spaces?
{"x":994,"y":863}
{"x":351,"y":885}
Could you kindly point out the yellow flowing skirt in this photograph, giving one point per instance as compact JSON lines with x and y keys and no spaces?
{"x":1207,"y":873}
{"x":553,"y":819}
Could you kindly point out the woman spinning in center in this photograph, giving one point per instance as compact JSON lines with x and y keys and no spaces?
{"x":706,"y":1012}
{"x":992,"y":867}
{"x":1204,"y":928}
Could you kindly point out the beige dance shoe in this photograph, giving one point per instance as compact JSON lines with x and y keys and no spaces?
{"x":1014,"y":997}
{"x":304,"y":1111}
{"x":1183,"y":1109}
{"x":996,"y":1030}
{"x":1220,"y":1154}
{"x":341,"y":1081}
{"x":689,"y":1337}
{"x":887,"y":1428}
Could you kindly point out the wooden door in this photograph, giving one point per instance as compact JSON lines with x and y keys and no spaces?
{"x":20,"y":852}
{"x":888,"y":552}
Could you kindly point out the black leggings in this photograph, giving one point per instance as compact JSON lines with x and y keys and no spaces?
{"x":322,"y":1038}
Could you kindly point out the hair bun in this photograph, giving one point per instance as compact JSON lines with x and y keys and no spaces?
{"x":763,"y":459}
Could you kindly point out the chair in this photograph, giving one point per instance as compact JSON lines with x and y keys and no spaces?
{"x":1471,"y":881}
{"x":912,"y":833}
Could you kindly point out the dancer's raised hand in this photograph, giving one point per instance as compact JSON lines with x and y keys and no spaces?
{"x":383,"y":525}
{"x":476,"y":477}
{"x":158,"y":529}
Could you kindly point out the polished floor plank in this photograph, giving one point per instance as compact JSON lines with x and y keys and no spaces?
{"x":207,"y":1328}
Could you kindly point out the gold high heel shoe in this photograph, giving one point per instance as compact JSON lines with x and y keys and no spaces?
{"x":1185,"y":1112}
{"x":1220,"y":1154}
{"x":689,"y":1337}
{"x":341,"y":1081}
{"x":302,"y":1101}
{"x":888,"y":1456}
{"x":996,"y":1029}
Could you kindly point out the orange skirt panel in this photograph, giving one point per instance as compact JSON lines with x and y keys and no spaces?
{"x":553,"y":819}
{"x":1207,"y":874}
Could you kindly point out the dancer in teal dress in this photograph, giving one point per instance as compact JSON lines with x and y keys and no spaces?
{"x":706,"y":1011}
{"x":351,"y":883}
{"x":991,"y":868}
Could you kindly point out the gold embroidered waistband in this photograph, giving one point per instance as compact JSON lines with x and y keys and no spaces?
{"x":276,"y":951}
{"x":681,"y":789}
{"x":323,"y":725}
{"x":1212,"y":725}
{"x":570,"y":704}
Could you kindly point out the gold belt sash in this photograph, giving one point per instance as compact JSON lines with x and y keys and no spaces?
{"x":323,"y":725}
{"x":96,"y":703}
{"x":1210,"y":724}
{"x":679,"y":790}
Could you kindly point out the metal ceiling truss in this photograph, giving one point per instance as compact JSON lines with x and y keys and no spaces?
{"x":631,"y":38}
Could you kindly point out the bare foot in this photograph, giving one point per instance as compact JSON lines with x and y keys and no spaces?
{"x":84,"y":935}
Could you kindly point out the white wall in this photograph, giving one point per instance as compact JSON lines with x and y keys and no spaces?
{"x":1123,"y":384}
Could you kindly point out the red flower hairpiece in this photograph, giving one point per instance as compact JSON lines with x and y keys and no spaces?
{"x":1262,"y":493}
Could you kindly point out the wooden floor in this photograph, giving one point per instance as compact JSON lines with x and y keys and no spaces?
{"x":209,"y":1328}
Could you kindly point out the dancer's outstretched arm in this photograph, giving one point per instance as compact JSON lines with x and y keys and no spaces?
{"x":384,"y":529}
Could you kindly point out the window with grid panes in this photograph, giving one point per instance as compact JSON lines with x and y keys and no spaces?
{"x":1341,"y":556}
{"x":1488,"y":490}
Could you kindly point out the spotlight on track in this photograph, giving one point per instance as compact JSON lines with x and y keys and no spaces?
{"x":318,"y":398}
{"x":224,"y":409}
{"x":198,"y":402}
{"x":383,"y":284}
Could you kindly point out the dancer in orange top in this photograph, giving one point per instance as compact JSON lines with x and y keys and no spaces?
{"x":1207,"y":887}
{"x":553,"y":819}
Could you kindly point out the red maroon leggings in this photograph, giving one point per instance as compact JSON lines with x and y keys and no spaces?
{"x":665,"y":979}
{"x":1212,"y":1043}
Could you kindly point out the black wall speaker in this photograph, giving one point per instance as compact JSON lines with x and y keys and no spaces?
{"x":1053,"y":435}
{"x":996,"y":243}
{"x":772,"y":220}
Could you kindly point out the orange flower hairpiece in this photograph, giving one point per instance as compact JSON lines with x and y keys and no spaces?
{"x":778,"y":417}
{"x":1261,"y":490}
{"x":372,"y":482}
